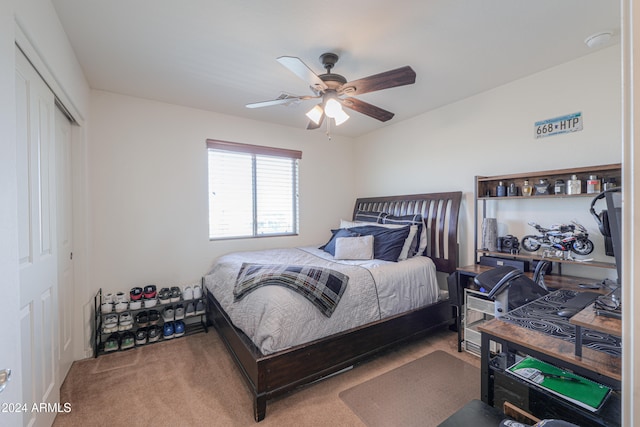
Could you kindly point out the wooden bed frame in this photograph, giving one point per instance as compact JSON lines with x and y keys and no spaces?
{"x":271,"y":375}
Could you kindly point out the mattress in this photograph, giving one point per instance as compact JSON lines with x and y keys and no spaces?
{"x":276,"y":318}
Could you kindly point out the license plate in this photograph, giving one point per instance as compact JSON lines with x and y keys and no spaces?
{"x":558,"y":125}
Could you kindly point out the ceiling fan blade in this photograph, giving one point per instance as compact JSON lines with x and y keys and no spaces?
{"x":279,"y":101}
{"x":392,"y":78}
{"x":300,"y":69}
{"x":367,"y":109}
{"x":312,"y":125}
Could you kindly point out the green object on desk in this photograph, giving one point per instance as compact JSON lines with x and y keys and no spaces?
{"x":579,"y":390}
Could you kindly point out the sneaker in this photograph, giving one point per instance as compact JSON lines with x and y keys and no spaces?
{"x":179,"y":312}
{"x":112,"y":343}
{"x":164,"y":295}
{"x":141,"y":336}
{"x":148,"y":303}
{"x":175,"y":294}
{"x":121,"y":297}
{"x":142,"y":318}
{"x":150,"y":292}
{"x":191,"y":310}
{"x":153,"y":333}
{"x":167,"y":331}
{"x":106,"y":307}
{"x":178,"y":328}
{"x":110,"y":323}
{"x":200,"y":308}
{"x":121,"y":306}
{"x":135,"y":305}
{"x":154,"y":316}
{"x":197,"y":292}
{"x":125,"y":321}
{"x":128,"y":340}
{"x":187,"y":293}
{"x":110,"y":298}
{"x":136,"y":294}
{"x":168,"y":314}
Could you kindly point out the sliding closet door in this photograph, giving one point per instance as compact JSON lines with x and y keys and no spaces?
{"x":38,"y":251}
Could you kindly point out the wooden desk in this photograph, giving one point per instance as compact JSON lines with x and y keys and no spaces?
{"x":594,"y":365}
{"x":589,"y":319}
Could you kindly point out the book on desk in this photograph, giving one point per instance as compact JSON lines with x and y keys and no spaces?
{"x":565,"y":384}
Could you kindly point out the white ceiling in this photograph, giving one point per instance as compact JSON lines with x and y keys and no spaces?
{"x":220,"y":55}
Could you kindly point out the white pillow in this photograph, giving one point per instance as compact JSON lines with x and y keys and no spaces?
{"x":360,"y":247}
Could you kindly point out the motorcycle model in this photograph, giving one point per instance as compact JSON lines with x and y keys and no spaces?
{"x":564,"y":237}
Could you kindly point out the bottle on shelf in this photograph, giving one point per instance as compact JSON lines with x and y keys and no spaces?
{"x":574,"y":185}
{"x":559,"y":186}
{"x":593,"y":184}
{"x":501,"y":190}
{"x":542,"y":187}
{"x":512,"y":190}
{"x":609,"y":184}
{"x":527,"y":189}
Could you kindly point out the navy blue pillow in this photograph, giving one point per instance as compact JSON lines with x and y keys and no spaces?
{"x":330,"y":246}
{"x":415,"y":219}
{"x":369,"y":216}
{"x":387,"y":242}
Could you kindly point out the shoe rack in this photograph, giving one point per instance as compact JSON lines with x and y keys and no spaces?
{"x":193,"y":324}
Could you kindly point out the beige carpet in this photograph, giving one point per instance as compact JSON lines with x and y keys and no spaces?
{"x":421,"y":393}
{"x":192,"y":381}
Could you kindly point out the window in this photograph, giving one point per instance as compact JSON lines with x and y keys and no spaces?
{"x":253,"y":190}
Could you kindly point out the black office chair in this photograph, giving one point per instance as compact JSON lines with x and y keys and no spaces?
{"x":510,"y":288}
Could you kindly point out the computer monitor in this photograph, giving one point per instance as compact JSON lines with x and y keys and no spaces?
{"x":614,"y":217}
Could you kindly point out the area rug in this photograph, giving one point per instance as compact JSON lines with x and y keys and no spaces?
{"x":424,"y":392}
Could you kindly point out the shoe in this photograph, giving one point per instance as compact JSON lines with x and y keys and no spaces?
{"x":136,"y":294}
{"x":135,"y":305}
{"x":187,"y":293}
{"x":121,"y":297}
{"x":154,"y":316}
{"x":167,"y":331}
{"x":128,"y":340}
{"x":110,"y":298}
{"x":178,"y":328}
{"x":200,"y":308}
{"x":179,"y":312}
{"x":110,"y":324}
{"x":106,"y":307}
{"x":112,"y":343}
{"x":121,"y":306}
{"x":164,"y":295}
{"x":141,"y":336}
{"x":142,"y":318}
{"x":148,"y":303}
{"x":197,"y":292}
{"x":168,"y":314}
{"x":150,"y":292}
{"x":191,"y":310}
{"x":153,"y":333}
{"x":175,"y":294}
{"x":125,"y":321}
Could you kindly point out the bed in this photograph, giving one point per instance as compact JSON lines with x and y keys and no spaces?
{"x":272,"y":366}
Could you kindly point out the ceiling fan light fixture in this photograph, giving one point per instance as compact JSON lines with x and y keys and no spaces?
{"x":315,"y":114}
{"x":341,"y":117}
{"x":332,"y":108}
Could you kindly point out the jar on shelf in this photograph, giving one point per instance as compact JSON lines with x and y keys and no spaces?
{"x":542,"y":187}
{"x":593,"y":184}
{"x":609,"y":184}
{"x":574,"y":185}
{"x":527,"y":189}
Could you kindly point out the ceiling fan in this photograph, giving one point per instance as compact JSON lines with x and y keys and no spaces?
{"x":336,"y":92}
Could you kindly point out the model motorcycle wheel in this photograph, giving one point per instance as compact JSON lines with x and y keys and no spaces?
{"x":530,"y":243}
{"x":582,"y":247}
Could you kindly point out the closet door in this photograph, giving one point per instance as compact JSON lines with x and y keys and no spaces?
{"x":38,"y":256}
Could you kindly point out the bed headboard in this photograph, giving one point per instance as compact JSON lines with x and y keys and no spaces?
{"x":440,"y":214}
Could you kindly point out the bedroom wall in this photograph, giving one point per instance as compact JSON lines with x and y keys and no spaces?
{"x":147,"y":166}
{"x":492,"y":134}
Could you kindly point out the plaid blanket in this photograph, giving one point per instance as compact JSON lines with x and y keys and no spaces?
{"x":322,"y":286}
